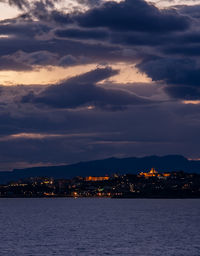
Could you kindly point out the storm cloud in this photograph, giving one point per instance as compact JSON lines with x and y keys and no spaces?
{"x":135,"y":15}
{"x":84,"y":91}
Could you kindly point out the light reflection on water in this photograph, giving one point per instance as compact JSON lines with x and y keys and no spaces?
{"x":62,"y":226}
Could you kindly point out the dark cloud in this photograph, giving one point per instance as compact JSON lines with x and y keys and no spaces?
{"x":83,"y":91}
{"x":184,"y":92}
{"x":36,"y":58}
{"x":184,"y":73}
{"x":22,"y":61}
{"x":82,"y":34}
{"x":135,"y":15}
{"x":173,"y":71}
{"x":175,"y":43}
{"x":21,"y":4}
{"x":26,"y":29}
{"x":191,"y":11}
{"x":106,"y":44}
{"x":69,"y":60}
{"x":90,"y":3}
{"x":29,"y":4}
{"x":86,"y":134}
{"x":8,"y":63}
{"x":190,"y":50}
{"x":97,"y":51}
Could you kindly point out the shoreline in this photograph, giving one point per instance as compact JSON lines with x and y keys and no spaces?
{"x":95,"y":197}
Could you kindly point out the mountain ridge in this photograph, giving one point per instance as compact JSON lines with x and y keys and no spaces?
{"x":106,"y":166}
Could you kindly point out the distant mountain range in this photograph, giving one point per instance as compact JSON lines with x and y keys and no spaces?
{"x":131,"y":165}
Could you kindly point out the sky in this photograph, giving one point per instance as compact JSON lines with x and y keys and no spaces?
{"x":91,"y":79}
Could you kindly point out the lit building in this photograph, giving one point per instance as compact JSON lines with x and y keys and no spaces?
{"x":166,"y":175}
{"x":154,"y":173}
{"x":90,"y":178}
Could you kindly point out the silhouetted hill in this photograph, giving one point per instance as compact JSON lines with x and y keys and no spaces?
{"x":108,"y":166}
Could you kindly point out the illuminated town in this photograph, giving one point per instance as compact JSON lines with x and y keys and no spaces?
{"x":142,"y":185}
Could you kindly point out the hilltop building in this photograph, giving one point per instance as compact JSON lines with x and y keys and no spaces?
{"x":153,"y":173}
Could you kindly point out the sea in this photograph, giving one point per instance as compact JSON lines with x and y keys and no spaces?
{"x":67,"y":226}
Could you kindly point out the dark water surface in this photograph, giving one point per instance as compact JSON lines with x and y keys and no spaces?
{"x":138,"y":227}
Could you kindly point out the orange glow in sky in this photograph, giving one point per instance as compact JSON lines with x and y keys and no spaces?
{"x":51,"y":75}
{"x":194,"y":102}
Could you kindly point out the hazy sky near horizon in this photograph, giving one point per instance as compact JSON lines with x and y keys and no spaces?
{"x":89,"y":79}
